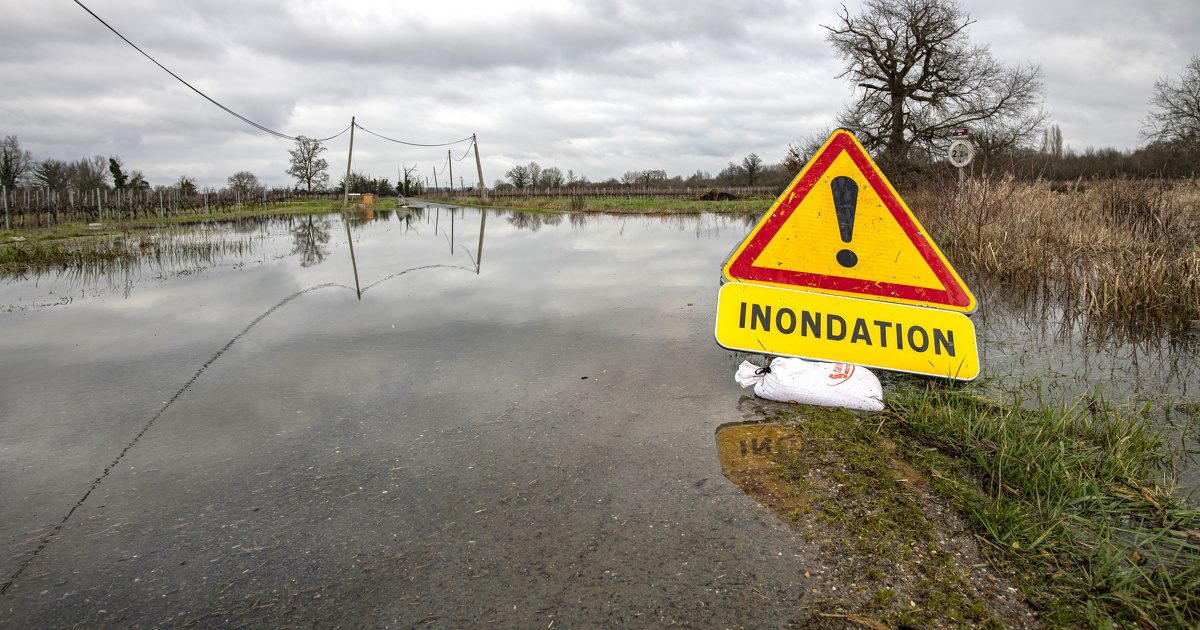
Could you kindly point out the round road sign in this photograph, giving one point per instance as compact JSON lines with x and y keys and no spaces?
{"x":960,"y":153}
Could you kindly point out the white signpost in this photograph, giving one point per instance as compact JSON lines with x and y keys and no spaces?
{"x":960,"y":154}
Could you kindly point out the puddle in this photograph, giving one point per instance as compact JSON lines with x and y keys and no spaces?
{"x":751,"y":456}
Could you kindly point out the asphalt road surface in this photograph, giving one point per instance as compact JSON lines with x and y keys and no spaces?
{"x":527,"y":446}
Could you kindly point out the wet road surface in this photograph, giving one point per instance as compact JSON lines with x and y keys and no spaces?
{"x":529,"y":445}
{"x":516,"y":430}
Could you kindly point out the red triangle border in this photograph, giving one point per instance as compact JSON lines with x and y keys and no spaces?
{"x":953,"y":292}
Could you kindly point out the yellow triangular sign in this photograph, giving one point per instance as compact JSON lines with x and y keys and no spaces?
{"x":840,"y":228}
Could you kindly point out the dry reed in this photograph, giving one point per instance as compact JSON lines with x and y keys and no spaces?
{"x":1108,"y":249}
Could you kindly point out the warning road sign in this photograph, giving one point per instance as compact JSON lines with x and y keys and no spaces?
{"x":763,"y":319}
{"x":840,"y":228}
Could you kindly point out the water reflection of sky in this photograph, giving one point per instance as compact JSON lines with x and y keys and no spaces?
{"x":623,"y":275}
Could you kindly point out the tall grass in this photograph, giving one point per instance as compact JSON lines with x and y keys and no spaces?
{"x":1108,"y":249}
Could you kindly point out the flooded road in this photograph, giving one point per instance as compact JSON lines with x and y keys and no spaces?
{"x":501,"y":418}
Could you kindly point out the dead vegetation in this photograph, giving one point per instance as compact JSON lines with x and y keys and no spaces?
{"x":1117,"y":249}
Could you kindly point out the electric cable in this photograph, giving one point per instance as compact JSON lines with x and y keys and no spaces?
{"x":189,"y":85}
{"x":340,"y":133}
{"x":411,"y":144}
{"x":469,"y":147}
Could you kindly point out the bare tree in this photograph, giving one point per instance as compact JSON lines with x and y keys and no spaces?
{"x":800,"y":152}
{"x":15,"y":162}
{"x":137,"y":181}
{"x":535,"y":174}
{"x":243,"y":182}
{"x":654,"y":177}
{"x":88,"y":173}
{"x":1052,"y":142}
{"x":53,"y":174}
{"x":732,"y":175}
{"x":920,"y":77}
{"x":409,"y":184}
{"x":308,"y":167}
{"x":552,"y":177}
{"x":752,"y":165}
{"x":1174,"y":116}
{"x":519,"y":176}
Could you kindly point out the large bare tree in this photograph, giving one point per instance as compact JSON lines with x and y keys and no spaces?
{"x":920,"y":77}
{"x":1174,"y":116}
{"x":308,"y":167}
{"x":243,"y":183}
{"x":15,"y":162}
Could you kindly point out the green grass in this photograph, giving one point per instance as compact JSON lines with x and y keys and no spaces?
{"x":1079,"y":501}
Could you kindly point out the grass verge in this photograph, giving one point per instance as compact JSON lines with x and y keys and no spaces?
{"x":1078,"y":502}
{"x":895,"y":561}
{"x":1075,"y":505}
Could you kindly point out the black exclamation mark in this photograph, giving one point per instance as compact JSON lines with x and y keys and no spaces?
{"x":845,"y":202}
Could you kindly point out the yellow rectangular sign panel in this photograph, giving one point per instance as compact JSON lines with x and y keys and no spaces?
{"x":769,"y":320}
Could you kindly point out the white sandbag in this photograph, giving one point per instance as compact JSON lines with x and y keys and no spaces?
{"x":814,"y":383}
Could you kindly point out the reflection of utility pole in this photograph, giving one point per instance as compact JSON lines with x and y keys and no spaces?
{"x":450,"y":165}
{"x":349,"y":158}
{"x":478,"y":167}
{"x":479,"y":252}
{"x":353,"y":260}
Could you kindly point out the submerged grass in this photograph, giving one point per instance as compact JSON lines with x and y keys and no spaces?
{"x":1078,"y":501}
{"x":77,"y":230}
{"x":83,"y":247}
{"x":1112,"y":250}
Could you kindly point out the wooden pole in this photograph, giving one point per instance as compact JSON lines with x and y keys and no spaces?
{"x":478,"y":167}
{"x":450,"y":165}
{"x":349,"y":158}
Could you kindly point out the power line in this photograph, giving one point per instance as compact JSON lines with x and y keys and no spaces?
{"x":411,"y":144}
{"x":469,"y":147}
{"x":192,"y":87}
{"x":342,"y":132}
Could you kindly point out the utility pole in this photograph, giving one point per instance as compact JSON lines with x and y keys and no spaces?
{"x":450,"y":165}
{"x":482,"y":188}
{"x":349,"y":158}
{"x":435,"y":184}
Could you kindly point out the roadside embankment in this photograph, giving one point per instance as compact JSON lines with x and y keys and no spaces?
{"x":948,"y":507}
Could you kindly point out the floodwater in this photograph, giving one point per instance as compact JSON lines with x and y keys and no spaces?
{"x":477,"y":417}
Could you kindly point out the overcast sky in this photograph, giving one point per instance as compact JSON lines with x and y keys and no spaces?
{"x":599,"y":87}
